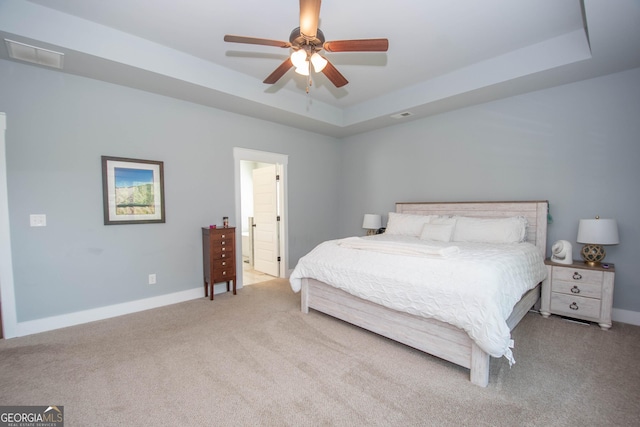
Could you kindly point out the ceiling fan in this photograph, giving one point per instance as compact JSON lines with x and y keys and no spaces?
{"x":306,"y":41}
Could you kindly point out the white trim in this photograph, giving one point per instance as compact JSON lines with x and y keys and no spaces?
{"x":240,"y":154}
{"x":626,"y":316}
{"x":7,"y":290}
{"x":101,"y":313}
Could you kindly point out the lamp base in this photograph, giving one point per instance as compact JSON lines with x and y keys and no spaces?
{"x":593,"y":254}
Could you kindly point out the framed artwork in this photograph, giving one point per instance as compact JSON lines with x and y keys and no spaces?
{"x":132,"y":190}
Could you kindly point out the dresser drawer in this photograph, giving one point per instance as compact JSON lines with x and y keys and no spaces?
{"x":222,"y":252}
{"x":224,"y":264}
{"x":577,"y":275}
{"x":228,"y":241}
{"x":575,"y":306}
{"x":577,"y":288}
{"x":218,"y":237}
{"x":224,"y":275}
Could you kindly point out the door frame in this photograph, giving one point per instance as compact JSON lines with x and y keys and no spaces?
{"x":281,"y":161}
{"x":7,"y":290}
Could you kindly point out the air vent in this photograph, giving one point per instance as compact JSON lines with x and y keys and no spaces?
{"x":33,"y":54}
{"x":402,"y":115}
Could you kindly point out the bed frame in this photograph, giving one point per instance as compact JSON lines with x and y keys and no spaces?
{"x":429,"y":335}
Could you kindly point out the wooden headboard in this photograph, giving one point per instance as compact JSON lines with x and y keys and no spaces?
{"x":534,"y":211}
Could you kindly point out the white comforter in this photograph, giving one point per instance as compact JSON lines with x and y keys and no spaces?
{"x":473,"y":286}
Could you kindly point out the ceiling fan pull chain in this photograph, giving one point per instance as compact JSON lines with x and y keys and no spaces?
{"x":309,"y":84}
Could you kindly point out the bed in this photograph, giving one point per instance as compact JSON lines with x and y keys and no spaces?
{"x":427,"y":332}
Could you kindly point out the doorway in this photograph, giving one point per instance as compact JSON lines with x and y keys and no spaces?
{"x":261,"y":215}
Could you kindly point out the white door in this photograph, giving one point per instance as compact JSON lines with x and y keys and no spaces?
{"x":265,"y":219}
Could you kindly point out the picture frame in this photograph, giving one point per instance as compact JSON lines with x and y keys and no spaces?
{"x":132,"y":190}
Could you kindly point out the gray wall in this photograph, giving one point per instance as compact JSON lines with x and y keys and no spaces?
{"x":577,"y":146}
{"x":59,"y":125}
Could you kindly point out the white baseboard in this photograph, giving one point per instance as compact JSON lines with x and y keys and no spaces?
{"x":86,"y":316}
{"x":626,"y":316}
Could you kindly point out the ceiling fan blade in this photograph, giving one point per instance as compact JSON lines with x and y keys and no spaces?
{"x":309,"y":17}
{"x":254,"y":40}
{"x":334,"y":75}
{"x":363,"y":45}
{"x":278,"y":72}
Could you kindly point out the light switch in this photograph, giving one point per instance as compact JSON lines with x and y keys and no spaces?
{"x":38,"y":220}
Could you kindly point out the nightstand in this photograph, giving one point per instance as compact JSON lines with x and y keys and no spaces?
{"x":579,"y":291}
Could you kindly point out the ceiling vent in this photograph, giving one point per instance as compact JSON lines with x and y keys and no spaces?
{"x":33,"y":54}
{"x":402,"y":115}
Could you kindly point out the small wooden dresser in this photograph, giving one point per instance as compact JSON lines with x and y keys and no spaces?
{"x":580,"y":291}
{"x":218,"y":257}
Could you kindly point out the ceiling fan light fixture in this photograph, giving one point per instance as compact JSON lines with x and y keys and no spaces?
{"x":306,"y":41}
{"x":299,"y":57}
{"x":303,"y":68}
{"x":318,"y":62}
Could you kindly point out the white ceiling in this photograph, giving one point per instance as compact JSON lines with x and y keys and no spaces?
{"x":443,"y":54}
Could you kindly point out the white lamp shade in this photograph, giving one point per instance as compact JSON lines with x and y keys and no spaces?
{"x":372,"y":221}
{"x":318,"y":62}
{"x":598,"y":231}
{"x":299,"y":57}
{"x":303,"y":69}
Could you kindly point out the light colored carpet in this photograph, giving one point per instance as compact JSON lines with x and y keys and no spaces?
{"x":255,"y":359}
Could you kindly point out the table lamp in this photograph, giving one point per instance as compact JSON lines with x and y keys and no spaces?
{"x":595,"y":233}
{"x":372,"y":223}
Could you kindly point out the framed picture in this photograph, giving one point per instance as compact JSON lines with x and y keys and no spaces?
{"x":133,"y":191}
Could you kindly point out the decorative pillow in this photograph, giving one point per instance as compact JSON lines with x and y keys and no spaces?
{"x":406,"y":224}
{"x":437,"y":232}
{"x":490,"y":230}
{"x":444,"y":220}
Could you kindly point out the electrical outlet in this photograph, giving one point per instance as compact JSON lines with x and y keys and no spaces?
{"x":38,"y":220}
{"x":152,"y":279}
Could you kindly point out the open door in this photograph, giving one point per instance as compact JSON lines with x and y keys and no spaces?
{"x":266,"y":221}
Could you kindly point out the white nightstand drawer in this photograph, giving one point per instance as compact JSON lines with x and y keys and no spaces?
{"x":591,"y":290}
{"x":577,"y":275}
{"x":575,"y":306}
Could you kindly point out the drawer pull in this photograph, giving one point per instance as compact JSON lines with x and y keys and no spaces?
{"x":224,"y":243}
{"x":223,"y":236}
{"x":224,"y":272}
{"x":224,"y":255}
{"x":224,"y":263}
{"x":577,"y":276}
{"x":575,"y":289}
{"x":573,"y":306}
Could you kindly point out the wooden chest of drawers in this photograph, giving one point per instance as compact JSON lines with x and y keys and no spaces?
{"x":218,"y":258}
{"x":580,"y":291}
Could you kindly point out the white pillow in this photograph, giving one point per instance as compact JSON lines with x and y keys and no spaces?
{"x":445,"y":220}
{"x":437,"y":232}
{"x":490,"y":230}
{"x":406,"y":224}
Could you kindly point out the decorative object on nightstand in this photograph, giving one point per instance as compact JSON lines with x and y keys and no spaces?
{"x":562,"y":252}
{"x":595,"y":233}
{"x":579,"y":290}
{"x":218,"y":257}
{"x":372,"y":223}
